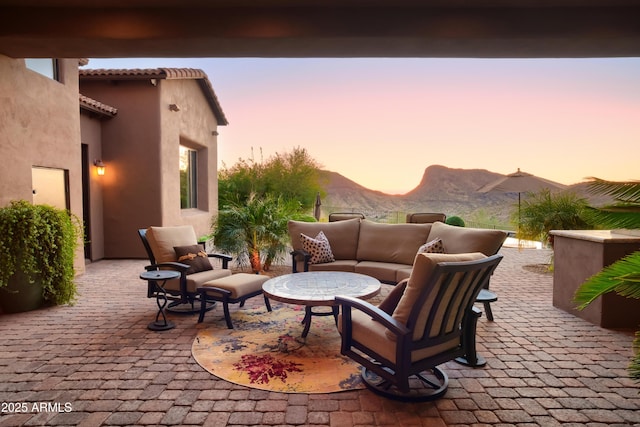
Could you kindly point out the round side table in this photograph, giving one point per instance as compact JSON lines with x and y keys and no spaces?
{"x":159,"y":279}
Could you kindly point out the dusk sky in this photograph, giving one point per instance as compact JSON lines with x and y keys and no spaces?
{"x":381,"y":122}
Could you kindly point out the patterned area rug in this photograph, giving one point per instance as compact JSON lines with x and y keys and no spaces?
{"x":266,"y":351}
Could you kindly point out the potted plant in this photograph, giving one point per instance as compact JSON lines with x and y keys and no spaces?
{"x":37,"y":250}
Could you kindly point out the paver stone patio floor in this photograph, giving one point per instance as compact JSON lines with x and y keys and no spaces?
{"x":96,"y":363}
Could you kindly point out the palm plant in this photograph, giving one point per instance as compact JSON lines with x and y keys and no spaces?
{"x":254,"y":227}
{"x":543,"y":211}
{"x":623,"y":276}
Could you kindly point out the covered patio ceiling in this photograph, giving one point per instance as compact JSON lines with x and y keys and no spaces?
{"x":319,"y":28}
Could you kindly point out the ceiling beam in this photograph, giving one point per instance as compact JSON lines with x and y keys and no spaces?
{"x":320,"y":31}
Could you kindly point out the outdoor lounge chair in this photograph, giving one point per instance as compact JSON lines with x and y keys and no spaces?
{"x":425,"y":217}
{"x":341,"y":216}
{"x":160,"y":244}
{"x":425,"y":321}
{"x":177,"y":248}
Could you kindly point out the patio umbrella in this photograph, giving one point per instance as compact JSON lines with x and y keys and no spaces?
{"x":520,"y":182}
{"x":316,"y":209}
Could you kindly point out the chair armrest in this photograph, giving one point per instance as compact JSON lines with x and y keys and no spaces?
{"x":396,"y":327}
{"x":172,"y":265}
{"x":225,"y":259}
{"x":306,"y":256}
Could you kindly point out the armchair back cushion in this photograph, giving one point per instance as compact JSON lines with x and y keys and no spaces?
{"x":342,"y":235}
{"x":423,"y":267}
{"x":162,"y":240}
{"x":462,"y":240}
{"x":392,"y":243}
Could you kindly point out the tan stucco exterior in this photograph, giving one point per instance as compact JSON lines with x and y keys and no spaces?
{"x":39,"y":126}
{"x":140,"y":147}
{"x":43,"y":124}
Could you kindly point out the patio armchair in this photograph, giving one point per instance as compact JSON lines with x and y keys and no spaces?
{"x":177,"y":248}
{"x":425,"y":321}
{"x":160,"y":244}
{"x":341,"y":216}
{"x":425,"y":217}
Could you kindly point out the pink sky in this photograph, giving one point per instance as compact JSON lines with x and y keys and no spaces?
{"x":381,"y":122}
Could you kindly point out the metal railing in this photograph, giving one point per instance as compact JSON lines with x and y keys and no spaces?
{"x":398,"y":217}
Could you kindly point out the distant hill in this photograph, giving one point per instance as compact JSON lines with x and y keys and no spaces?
{"x":442,"y":189}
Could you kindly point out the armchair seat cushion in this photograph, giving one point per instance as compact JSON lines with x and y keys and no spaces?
{"x":368,"y":332}
{"x":197,"y":279}
{"x":239,"y":284}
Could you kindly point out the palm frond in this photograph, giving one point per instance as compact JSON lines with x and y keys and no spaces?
{"x":627,"y":191}
{"x":622,"y":277}
{"x":616,"y":216}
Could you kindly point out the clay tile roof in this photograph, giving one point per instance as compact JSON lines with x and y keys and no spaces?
{"x":97,"y":106}
{"x":161,"y":73}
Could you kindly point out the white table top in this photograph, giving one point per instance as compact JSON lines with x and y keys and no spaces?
{"x":320,"y":287}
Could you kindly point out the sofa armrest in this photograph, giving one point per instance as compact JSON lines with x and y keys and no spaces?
{"x":295,"y":256}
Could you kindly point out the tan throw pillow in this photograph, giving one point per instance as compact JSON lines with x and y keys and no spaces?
{"x":434,"y":246}
{"x":422,"y":269}
{"x":317,"y":247}
{"x":194,"y":257}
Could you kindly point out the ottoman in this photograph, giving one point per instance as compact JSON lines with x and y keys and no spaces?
{"x":236,"y":288}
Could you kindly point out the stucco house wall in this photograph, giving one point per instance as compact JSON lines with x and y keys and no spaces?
{"x":140,"y":148}
{"x":91,"y":134}
{"x":39,"y":126}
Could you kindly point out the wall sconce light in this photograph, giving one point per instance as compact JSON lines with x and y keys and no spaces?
{"x":100,"y":167}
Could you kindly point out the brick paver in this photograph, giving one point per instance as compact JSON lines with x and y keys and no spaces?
{"x":96,"y":363}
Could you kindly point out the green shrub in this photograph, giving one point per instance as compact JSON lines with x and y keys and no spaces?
{"x":40,"y":241}
{"x":455,"y":221}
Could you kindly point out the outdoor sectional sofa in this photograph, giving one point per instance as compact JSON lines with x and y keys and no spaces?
{"x":384,"y":251}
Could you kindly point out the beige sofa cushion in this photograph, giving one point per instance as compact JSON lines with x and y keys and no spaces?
{"x":162,"y":240}
{"x":462,"y":239}
{"x":392,"y":243}
{"x":342,"y":235}
{"x":422,"y":269}
{"x":383,"y":271}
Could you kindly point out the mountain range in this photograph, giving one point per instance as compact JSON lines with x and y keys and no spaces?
{"x":442,"y":189}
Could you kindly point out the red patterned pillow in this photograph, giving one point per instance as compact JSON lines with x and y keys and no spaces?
{"x":317,"y":247}
{"x":194,"y":257}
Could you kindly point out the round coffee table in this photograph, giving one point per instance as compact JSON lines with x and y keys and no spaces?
{"x":319,"y":288}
